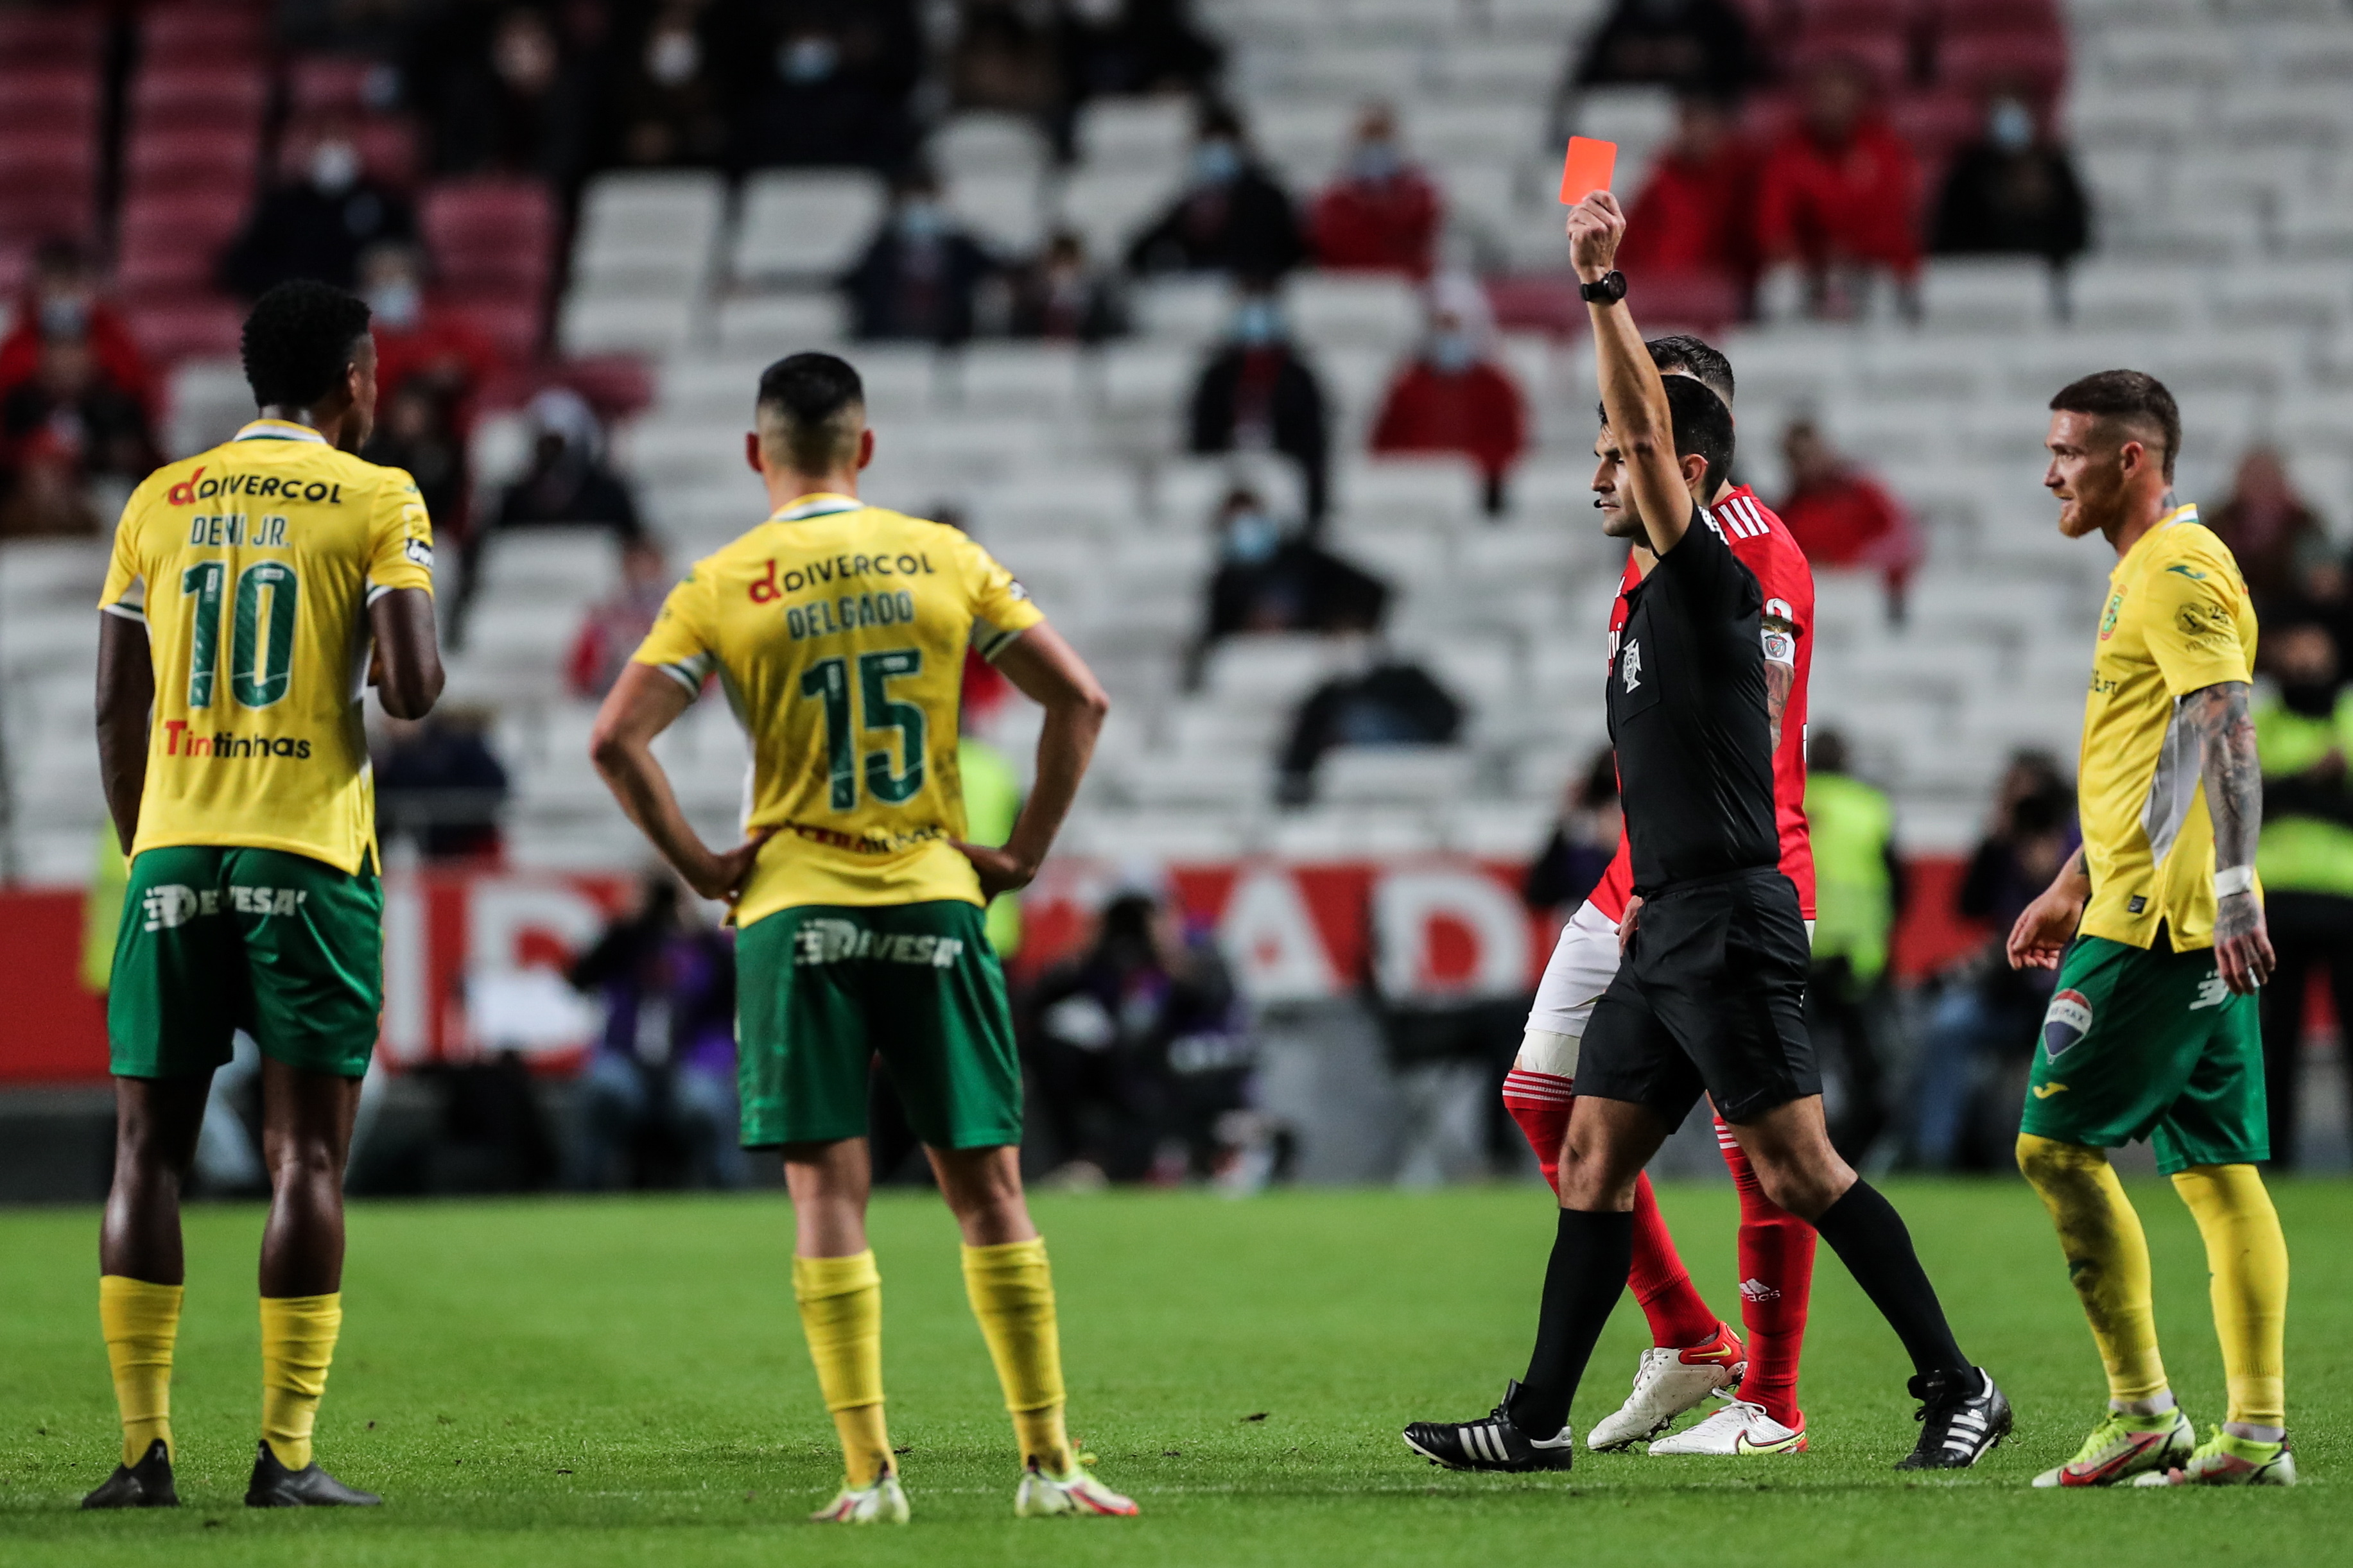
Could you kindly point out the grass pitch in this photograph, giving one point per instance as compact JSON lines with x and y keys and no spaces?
{"x":586,"y":1383}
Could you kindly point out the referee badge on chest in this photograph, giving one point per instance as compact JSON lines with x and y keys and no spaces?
{"x":1630,"y":664}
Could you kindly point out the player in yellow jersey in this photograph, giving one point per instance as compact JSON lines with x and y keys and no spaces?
{"x":2156,"y":926}
{"x":837,"y":631}
{"x":248,"y":585}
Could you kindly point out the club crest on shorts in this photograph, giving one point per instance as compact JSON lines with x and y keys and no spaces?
{"x":2068,"y":1020}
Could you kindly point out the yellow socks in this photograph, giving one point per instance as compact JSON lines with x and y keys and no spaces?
{"x":2247,"y":1257}
{"x":1012,"y":1292}
{"x":841,"y":1316}
{"x":142,"y":1324}
{"x":2107,"y":1259}
{"x":298,"y":1340}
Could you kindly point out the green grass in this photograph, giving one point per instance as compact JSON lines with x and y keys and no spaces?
{"x":624,"y":1382}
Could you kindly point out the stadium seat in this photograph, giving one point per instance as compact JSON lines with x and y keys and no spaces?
{"x":1016,"y":378}
{"x":1064,"y":502}
{"x":209,"y":400}
{"x":170,"y":330}
{"x":1401,"y":775}
{"x":1187,"y":310}
{"x":1638,"y":119}
{"x":1402,"y":490}
{"x":769,"y":326}
{"x":1886,"y":53}
{"x":651,"y":323}
{"x":573,"y":565}
{"x":1302,"y":138}
{"x":1335,"y":309}
{"x":49,"y":97}
{"x":1005,"y":211}
{"x":1504,"y":69}
{"x":202,"y":35}
{"x":985,"y":141}
{"x":1353,"y":72}
{"x":650,"y":234}
{"x":1991,"y":294}
{"x":1187,"y":492}
{"x":1109,"y":206}
{"x":165,"y":95}
{"x":1978,"y":62}
{"x":58,"y":37}
{"x":490,"y":232}
{"x":186,"y":159}
{"x":1144,"y":137}
{"x":797,"y":225}
{"x":47,"y":185}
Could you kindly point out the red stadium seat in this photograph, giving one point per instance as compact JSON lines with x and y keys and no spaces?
{"x":202,"y":35}
{"x":1975,"y":63}
{"x":196,"y":223}
{"x":387,"y":143}
{"x":190,"y":158}
{"x":48,"y":98}
{"x":49,"y":184}
{"x":1939,"y":122}
{"x":167,"y":95}
{"x":1886,"y":55}
{"x":170,"y":329}
{"x":1952,"y":18}
{"x":497,"y":232}
{"x":52,"y":37}
{"x":1851,"y":16}
{"x":513,"y":326}
{"x":337,"y":84}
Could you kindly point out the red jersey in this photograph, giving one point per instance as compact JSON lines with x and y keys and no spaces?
{"x":1761,"y":541}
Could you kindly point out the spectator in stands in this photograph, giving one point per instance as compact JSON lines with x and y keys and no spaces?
{"x":920,"y":276}
{"x":2012,"y":191}
{"x":438,"y":783}
{"x":1859,"y":893}
{"x":568,"y":483}
{"x":674,"y":109}
{"x":1842,"y":517}
{"x":660,"y":1086}
{"x":419,"y":342}
{"x":616,"y":623}
{"x":1388,"y":701}
{"x":319,"y":224}
{"x":1836,"y":196}
{"x":1257,"y":394}
{"x":2304,"y":734}
{"x":1697,"y":209}
{"x":1452,"y":396}
{"x":2278,"y":540}
{"x":1270,"y":579}
{"x":511,"y":95}
{"x":61,"y":299}
{"x":1694,"y":45}
{"x":1135,"y":46}
{"x":1232,"y":216}
{"x":1982,"y":1025}
{"x":72,"y":445}
{"x":1006,"y":56}
{"x":416,"y":430}
{"x":1141,"y":1049}
{"x":1382,"y":213}
{"x":1584,"y":841}
{"x":1063,"y":297}
{"x":834,"y":79}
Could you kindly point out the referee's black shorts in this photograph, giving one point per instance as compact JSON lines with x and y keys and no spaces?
{"x":1710,"y":997}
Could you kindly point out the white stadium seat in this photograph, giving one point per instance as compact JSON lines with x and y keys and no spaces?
{"x":1148,"y":135}
{"x":768,"y":326}
{"x":985,"y":141}
{"x":1415,"y":776}
{"x":793,"y":224}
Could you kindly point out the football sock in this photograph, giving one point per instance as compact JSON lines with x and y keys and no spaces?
{"x":140,"y":1323}
{"x":841,"y":1317}
{"x":2247,"y":1258}
{"x":1539,"y":1104}
{"x":2107,"y":1262}
{"x":1591,"y":1256}
{"x":1012,"y":1291}
{"x":298,"y":1340}
{"x":1776,"y":1284}
{"x":1679,"y":1318}
{"x":1863,"y":1229}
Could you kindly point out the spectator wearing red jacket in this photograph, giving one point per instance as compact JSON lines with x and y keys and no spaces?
{"x":617,"y":623}
{"x":61,"y":301}
{"x":416,"y":340}
{"x":1842,"y":517}
{"x":1381,"y":213}
{"x":1840,"y":192}
{"x":1453,"y":397}
{"x":1697,"y":211}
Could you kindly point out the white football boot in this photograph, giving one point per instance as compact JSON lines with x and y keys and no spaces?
{"x":1738,"y":1429}
{"x":1078,"y":1492}
{"x":1667,"y":1382}
{"x":881,"y":1503}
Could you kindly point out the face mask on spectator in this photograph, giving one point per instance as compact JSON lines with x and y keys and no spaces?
{"x":673,"y":57}
{"x":1216,"y":162}
{"x":1452,"y":352}
{"x":1257,"y":324}
{"x":2011,"y":126}
{"x":396,"y":302}
{"x":66,"y":316}
{"x":334,"y":166}
{"x":1251,"y":537}
{"x":1375,"y":160}
{"x":806,"y":60}
{"x":921,"y":220}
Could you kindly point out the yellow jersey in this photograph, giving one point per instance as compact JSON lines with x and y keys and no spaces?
{"x":837,"y":631}
{"x":2178,"y":620}
{"x":251,"y":566}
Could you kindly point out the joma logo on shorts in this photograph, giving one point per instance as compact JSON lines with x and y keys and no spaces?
{"x":836,"y":941}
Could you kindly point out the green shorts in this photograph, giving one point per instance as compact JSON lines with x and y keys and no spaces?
{"x":220,"y":937}
{"x":821,"y":989}
{"x":2150,"y":1045}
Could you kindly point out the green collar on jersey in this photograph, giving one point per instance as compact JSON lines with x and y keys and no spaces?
{"x":279,"y":430}
{"x":822,"y":504}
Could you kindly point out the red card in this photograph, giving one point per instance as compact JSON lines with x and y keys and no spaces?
{"x":1587,"y":169}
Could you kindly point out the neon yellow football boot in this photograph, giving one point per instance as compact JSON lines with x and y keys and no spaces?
{"x":2123,"y":1446}
{"x":2222,"y":1460}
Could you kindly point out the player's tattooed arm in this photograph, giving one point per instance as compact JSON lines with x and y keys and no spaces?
{"x":126,"y":695}
{"x":1780,"y":674}
{"x":2233,"y":776}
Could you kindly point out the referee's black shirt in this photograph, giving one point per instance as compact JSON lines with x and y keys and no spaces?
{"x":1687,"y":715}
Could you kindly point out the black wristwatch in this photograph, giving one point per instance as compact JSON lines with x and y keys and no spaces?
{"x":1608,"y":289}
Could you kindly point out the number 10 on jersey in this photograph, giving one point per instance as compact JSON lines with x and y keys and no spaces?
{"x":261,"y":645}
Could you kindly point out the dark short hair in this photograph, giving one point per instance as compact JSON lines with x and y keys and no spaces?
{"x":300,"y":339}
{"x":818,"y":404}
{"x":1702,"y":425}
{"x":2127,"y":396}
{"x":1686,"y":354}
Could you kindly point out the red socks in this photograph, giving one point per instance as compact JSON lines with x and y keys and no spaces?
{"x":1679,"y":1318}
{"x":1539,"y":1102}
{"x":1777,"y":1281}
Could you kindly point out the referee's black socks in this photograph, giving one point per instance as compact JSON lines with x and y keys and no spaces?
{"x":1591,"y":1256}
{"x":1863,"y":1229}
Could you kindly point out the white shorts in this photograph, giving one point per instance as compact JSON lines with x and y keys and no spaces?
{"x":1582,"y":963}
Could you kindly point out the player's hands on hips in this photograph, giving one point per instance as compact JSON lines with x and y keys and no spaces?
{"x":1596,"y":224}
{"x":723,"y":874}
{"x":1625,"y":924}
{"x":2044,"y":929}
{"x":2242,"y":948}
{"x":1001,"y":871}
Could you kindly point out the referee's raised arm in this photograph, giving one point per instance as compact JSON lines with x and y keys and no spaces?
{"x":1633,"y":399}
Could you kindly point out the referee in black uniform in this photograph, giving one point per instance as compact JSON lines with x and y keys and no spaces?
{"x":1711,"y":995}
